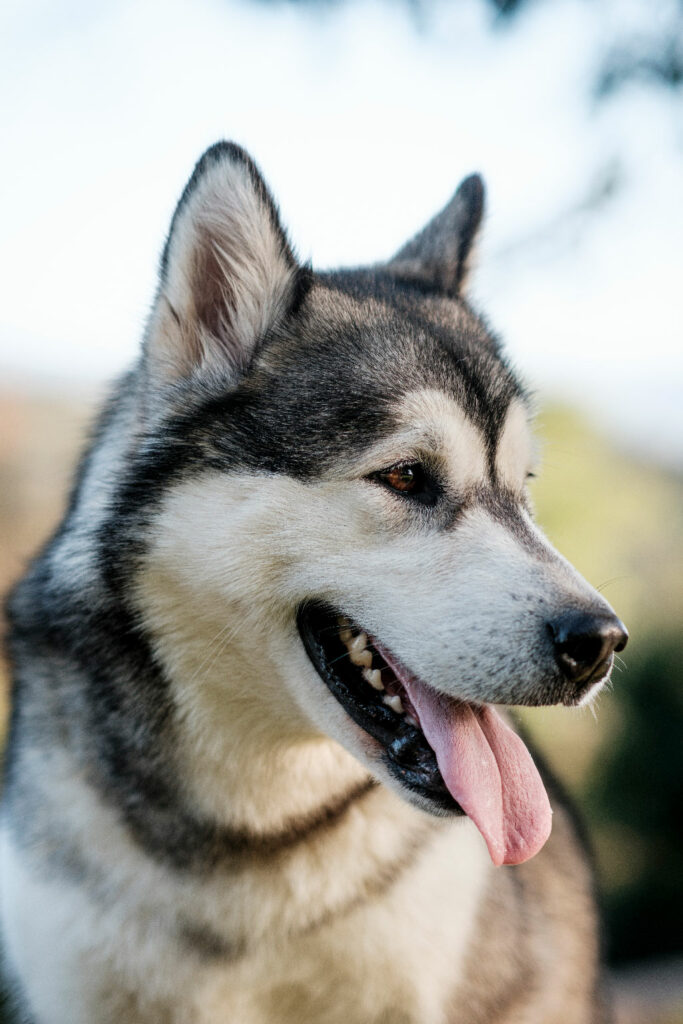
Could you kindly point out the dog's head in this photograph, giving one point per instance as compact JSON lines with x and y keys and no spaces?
{"x":346,"y":496}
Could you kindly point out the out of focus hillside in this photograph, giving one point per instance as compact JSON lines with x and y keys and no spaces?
{"x":618,"y":520}
{"x":39,"y":442}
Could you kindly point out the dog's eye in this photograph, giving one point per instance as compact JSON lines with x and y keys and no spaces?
{"x":411,"y":480}
{"x":405,"y":479}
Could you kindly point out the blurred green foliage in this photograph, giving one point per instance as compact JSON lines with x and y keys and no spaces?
{"x":636,"y":804}
{"x":619,"y":521}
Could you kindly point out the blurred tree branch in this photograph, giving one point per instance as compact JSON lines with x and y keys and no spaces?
{"x":652,"y":54}
{"x":564,"y":230}
{"x":656,"y":61}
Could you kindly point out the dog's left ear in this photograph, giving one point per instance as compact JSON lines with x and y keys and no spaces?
{"x":227,"y":272}
{"x":440,"y":255}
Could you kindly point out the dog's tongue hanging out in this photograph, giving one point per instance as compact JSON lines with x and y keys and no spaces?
{"x":488,"y":770}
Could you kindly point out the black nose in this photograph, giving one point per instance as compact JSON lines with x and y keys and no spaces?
{"x":584,"y":643}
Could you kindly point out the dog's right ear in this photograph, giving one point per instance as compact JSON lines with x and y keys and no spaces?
{"x":440,"y":255}
{"x":227,"y":273}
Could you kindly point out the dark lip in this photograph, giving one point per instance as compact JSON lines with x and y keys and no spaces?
{"x":600,"y":674}
{"x":407,"y":754}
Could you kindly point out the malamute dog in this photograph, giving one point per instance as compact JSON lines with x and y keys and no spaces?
{"x":259,"y":770}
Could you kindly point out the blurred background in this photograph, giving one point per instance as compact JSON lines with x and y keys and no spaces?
{"x":363,"y":117}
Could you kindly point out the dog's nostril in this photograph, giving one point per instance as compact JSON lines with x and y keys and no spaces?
{"x":622,"y":639}
{"x":584,"y":642}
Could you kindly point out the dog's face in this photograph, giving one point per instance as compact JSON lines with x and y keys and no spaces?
{"x":352,"y":500}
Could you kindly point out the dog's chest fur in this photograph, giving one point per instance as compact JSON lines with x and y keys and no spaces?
{"x":376,"y":913}
{"x":308,"y":932}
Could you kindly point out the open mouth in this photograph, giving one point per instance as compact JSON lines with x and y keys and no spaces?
{"x":455,"y":756}
{"x":374,"y":697}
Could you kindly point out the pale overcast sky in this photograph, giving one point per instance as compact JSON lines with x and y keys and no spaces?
{"x":363,"y":126}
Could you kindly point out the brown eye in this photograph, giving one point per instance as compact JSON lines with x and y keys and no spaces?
{"x":401,"y":478}
{"x":411,"y":480}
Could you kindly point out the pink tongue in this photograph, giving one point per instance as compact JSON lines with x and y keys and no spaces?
{"x":488,"y":770}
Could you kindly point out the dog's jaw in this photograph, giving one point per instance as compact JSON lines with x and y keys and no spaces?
{"x":457,"y":756}
{"x":370,"y":696}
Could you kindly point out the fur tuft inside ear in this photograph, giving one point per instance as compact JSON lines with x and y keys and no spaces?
{"x":440,"y":255}
{"x":227,"y":274}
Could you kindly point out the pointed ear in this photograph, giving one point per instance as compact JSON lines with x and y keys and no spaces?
{"x":439,"y":256}
{"x":227,"y":272}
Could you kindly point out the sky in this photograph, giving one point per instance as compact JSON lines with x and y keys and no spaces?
{"x":363,"y":119}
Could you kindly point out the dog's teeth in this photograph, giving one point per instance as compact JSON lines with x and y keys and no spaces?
{"x":394,"y":703}
{"x":374,"y":677}
{"x":360,"y":643}
{"x":412,"y":719}
{"x":358,"y":653}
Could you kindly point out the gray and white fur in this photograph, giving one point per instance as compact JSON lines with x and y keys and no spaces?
{"x":195,"y":829}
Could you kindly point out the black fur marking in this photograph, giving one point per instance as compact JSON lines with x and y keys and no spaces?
{"x":13,"y":1004}
{"x":245,"y":843}
{"x":207,"y":945}
{"x":453,"y":349}
{"x":472,"y":192}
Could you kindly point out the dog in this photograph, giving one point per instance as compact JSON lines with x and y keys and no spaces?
{"x":260,"y":768}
